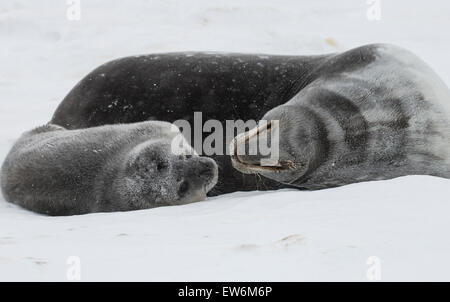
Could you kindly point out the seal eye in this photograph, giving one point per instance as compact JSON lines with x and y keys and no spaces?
{"x":184,"y":187}
{"x":184,"y":156}
{"x":161,"y":166}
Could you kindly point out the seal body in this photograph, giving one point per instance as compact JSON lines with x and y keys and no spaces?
{"x":376,"y":108}
{"x":54,"y":171}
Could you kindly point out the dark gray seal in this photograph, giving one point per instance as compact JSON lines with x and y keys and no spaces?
{"x":54,"y":171}
{"x":373,"y":112}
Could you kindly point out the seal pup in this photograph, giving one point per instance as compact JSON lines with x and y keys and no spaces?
{"x":54,"y":171}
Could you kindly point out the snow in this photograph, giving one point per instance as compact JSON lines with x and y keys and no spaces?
{"x":255,"y":236}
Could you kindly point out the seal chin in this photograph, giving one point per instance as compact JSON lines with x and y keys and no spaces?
{"x":284,"y":171}
{"x":199,"y":196}
{"x":255,"y":167}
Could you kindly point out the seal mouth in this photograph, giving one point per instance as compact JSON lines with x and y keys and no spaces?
{"x":244,"y":167}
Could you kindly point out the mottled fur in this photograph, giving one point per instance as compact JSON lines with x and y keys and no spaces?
{"x":55,"y":171}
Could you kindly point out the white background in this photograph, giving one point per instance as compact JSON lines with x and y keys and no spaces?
{"x":273,"y":236}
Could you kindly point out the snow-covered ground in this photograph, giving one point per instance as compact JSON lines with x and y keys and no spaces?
{"x":398,"y":228}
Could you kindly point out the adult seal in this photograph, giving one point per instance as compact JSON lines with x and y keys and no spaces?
{"x":381,"y":120}
{"x":54,"y":171}
{"x":373,"y":112}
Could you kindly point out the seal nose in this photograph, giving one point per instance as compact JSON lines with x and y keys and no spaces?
{"x":199,"y":175}
{"x":206,"y":169}
{"x":200,"y":171}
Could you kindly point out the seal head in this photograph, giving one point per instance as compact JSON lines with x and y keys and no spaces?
{"x":154,"y":176}
{"x":292,"y":155}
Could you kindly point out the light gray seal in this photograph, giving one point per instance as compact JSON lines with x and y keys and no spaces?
{"x":380,"y":120}
{"x":54,"y":171}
